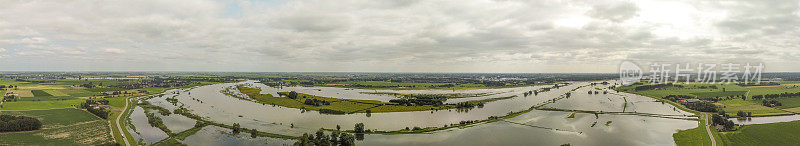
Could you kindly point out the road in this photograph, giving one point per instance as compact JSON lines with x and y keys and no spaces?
{"x":120,"y":117}
{"x":708,"y":130}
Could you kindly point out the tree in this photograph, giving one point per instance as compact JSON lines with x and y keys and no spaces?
{"x":359,"y":128}
{"x":236,"y":128}
{"x":292,"y":95}
{"x":338,"y":128}
{"x":346,"y":139}
{"x":253,"y":133}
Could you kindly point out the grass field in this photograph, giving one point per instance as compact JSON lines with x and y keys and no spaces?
{"x":731,"y":105}
{"x":60,"y":127}
{"x":785,"y":133}
{"x":734,"y":105}
{"x":56,"y":93}
{"x":40,"y":93}
{"x":692,"y":137}
{"x":30,"y":105}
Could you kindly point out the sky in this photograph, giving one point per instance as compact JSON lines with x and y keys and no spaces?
{"x":591,"y":36}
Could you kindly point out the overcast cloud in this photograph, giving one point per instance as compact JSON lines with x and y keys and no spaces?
{"x":393,"y":36}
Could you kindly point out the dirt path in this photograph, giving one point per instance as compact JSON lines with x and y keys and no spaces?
{"x":708,"y":130}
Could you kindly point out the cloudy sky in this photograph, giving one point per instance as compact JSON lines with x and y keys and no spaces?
{"x":393,"y":36}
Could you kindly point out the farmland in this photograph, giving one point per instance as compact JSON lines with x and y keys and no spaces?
{"x":60,"y":127}
{"x":784,"y":133}
{"x":726,"y":96}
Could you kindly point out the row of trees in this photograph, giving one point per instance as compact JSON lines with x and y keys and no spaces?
{"x":701,"y":106}
{"x":772,"y":96}
{"x":9,"y":123}
{"x":316,"y":102}
{"x":321,"y":139}
{"x":771,"y":103}
{"x":417,"y":102}
{"x":677,"y":97}
{"x":657,"y":86}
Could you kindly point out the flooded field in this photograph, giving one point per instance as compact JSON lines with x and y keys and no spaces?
{"x":620,"y":119}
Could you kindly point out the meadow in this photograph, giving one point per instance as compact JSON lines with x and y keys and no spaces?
{"x":784,"y":133}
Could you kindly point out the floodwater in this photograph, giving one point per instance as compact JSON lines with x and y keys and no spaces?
{"x":765,"y":120}
{"x":536,"y":127}
{"x":148,"y":134}
{"x":213,"y":135}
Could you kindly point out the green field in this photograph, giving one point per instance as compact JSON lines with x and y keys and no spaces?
{"x":773,"y":134}
{"x":730,"y":105}
{"x":30,"y":105}
{"x":60,"y":127}
{"x":735,"y":105}
{"x":56,"y":117}
{"x":56,"y":93}
{"x":345,"y":105}
{"x":692,"y":137}
{"x":40,"y":93}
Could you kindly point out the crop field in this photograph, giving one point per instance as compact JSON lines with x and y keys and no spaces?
{"x":30,"y":105}
{"x":784,"y":133}
{"x":56,"y":117}
{"x":23,"y":93}
{"x":789,"y":102}
{"x":60,"y":127}
{"x":86,"y":133}
{"x":40,"y":93}
{"x":56,"y":93}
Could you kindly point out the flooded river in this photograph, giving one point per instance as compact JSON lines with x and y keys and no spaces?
{"x":536,"y":127}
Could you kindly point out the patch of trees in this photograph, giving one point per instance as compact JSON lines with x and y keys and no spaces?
{"x":417,"y":102}
{"x":771,"y":103}
{"x":677,"y":97}
{"x":321,"y":139}
{"x":701,"y":106}
{"x":156,"y":121}
{"x":467,"y":104}
{"x":9,"y":123}
{"x":771,"y":96}
{"x":330,"y":111}
{"x":316,"y":102}
{"x":91,"y":106}
{"x":744,"y":114}
{"x":722,"y":120}
{"x":657,"y":86}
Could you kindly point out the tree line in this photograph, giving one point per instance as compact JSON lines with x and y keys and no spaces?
{"x":9,"y":123}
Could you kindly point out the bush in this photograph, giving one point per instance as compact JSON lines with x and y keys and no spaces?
{"x":9,"y":123}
